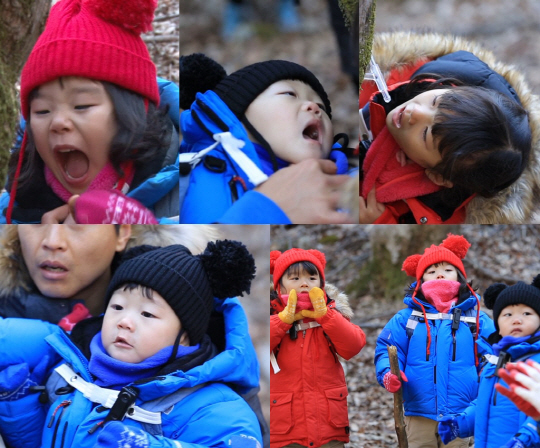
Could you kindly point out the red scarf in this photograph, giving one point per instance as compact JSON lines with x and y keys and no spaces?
{"x":392,"y":181}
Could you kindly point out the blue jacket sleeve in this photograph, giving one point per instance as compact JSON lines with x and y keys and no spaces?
{"x":393,"y":333}
{"x":528,"y":433}
{"x":22,"y":421}
{"x":254,"y":208}
{"x":465,"y":421}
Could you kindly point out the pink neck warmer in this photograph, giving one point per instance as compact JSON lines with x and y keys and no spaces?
{"x":441,"y":293}
{"x":303,"y":303}
{"x":105,"y":180}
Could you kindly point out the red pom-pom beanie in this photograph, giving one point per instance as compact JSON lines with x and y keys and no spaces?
{"x":452,"y":250}
{"x":279,"y":262}
{"x":97,"y":39}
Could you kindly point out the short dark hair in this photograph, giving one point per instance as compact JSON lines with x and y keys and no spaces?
{"x":484,"y":139}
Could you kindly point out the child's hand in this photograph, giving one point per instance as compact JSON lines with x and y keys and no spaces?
{"x":514,"y":443}
{"x":117,"y":435}
{"x":60,"y":215}
{"x":109,"y":207}
{"x":392,"y":383}
{"x":448,"y":428}
{"x":402,"y":158}
{"x":370,"y":209}
{"x":289,"y":314}
{"x":17,"y":381}
{"x":524,"y":391}
{"x":316,"y":295}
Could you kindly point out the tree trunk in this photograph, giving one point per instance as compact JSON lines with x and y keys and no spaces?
{"x":367,"y":28}
{"x":21,"y":22}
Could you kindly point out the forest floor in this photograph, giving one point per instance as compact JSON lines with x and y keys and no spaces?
{"x":497,"y":253}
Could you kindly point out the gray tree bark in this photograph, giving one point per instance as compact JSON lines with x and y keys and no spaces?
{"x":21,"y":23}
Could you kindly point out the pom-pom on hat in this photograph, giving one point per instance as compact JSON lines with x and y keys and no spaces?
{"x":279,"y":262}
{"x":97,"y":39}
{"x":452,"y":250}
{"x":200,"y":73}
{"x":499,"y":295}
{"x":188,"y":282}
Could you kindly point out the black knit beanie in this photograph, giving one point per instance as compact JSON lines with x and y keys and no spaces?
{"x":498,"y":296}
{"x":199,"y":73}
{"x":188,"y":282}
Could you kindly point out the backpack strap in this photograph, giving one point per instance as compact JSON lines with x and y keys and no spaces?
{"x":416,"y":316}
{"x":105,"y":397}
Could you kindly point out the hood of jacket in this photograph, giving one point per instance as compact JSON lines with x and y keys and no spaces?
{"x":15,"y":274}
{"x":517,"y":203}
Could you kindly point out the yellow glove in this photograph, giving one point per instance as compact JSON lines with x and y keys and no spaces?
{"x":316,"y":295}
{"x":289,"y":315}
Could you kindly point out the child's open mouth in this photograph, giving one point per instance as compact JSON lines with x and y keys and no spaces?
{"x":312,"y":132}
{"x":74,"y":163}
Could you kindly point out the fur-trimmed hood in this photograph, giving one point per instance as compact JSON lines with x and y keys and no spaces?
{"x":15,"y":273}
{"x":518,"y":203}
{"x":341,"y":299}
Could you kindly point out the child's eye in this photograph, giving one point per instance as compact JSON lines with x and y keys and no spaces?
{"x":425,"y":134}
{"x":147,"y":314}
{"x":117,"y":307}
{"x":321,"y":106}
{"x":41,"y":112}
{"x":289,"y":92}
{"x":435,"y":100}
{"x":83,"y":106}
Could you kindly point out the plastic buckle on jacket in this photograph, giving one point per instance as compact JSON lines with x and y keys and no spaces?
{"x":456,"y":319}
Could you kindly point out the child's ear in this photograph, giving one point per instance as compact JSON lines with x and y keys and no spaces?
{"x":437,"y":179}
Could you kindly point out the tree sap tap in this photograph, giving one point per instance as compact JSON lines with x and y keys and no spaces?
{"x":374,"y":74}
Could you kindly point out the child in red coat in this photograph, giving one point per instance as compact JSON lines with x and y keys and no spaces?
{"x":308,"y":330}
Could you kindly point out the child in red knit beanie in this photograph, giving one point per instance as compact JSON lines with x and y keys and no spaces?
{"x":90,"y":97}
{"x":308,"y":329}
{"x":435,"y":338}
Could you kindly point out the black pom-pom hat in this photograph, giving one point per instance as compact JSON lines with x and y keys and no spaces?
{"x":499,"y":295}
{"x":189,"y":282}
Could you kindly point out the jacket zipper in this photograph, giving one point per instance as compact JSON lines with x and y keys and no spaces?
{"x":63,"y":405}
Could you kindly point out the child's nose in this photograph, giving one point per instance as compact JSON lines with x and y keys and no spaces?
{"x":440,"y":276}
{"x":125,"y":323}
{"x":61,"y":122}
{"x":420,"y":114}
{"x":313,"y":107}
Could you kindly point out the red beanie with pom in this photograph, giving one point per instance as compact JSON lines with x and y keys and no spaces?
{"x":279,"y":262}
{"x":452,"y":250}
{"x":97,"y":39}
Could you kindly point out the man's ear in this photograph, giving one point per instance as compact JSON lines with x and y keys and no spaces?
{"x":437,"y":179}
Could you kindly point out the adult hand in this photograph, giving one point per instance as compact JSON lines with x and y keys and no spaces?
{"x":448,"y":428}
{"x":524,"y":382}
{"x":316,"y":296}
{"x":308,"y":192}
{"x":289,"y":314}
{"x":370,"y":209}
{"x":392,"y":383}
{"x":58,"y":215}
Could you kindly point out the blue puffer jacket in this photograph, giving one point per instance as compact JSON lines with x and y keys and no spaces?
{"x":445,"y":383}
{"x":209,"y":416}
{"x":159,"y":192}
{"x":210,"y":190}
{"x":499,"y":420}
